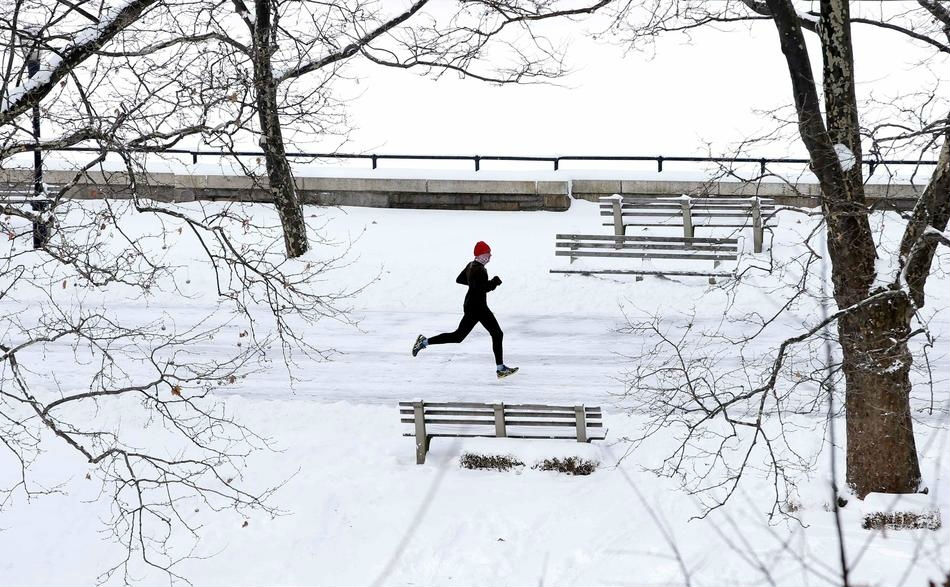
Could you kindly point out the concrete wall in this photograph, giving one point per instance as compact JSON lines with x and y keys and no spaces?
{"x":455,"y":194}
{"x":372,"y":192}
{"x":900,"y":196}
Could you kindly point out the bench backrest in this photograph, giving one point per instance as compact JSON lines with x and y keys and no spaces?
{"x":697,"y":207}
{"x":23,"y":193}
{"x":497,"y":418}
{"x":646,"y":247}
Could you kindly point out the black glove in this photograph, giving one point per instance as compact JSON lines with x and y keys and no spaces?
{"x":496,"y":280}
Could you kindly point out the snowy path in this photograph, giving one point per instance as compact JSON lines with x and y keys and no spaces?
{"x":560,"y":361}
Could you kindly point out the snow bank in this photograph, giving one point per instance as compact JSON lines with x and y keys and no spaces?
{"x":359,"y":511}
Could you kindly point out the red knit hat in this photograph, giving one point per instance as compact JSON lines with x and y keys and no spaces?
{"x":481,"y":247}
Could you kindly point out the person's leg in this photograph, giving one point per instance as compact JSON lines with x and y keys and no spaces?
{"x":465,"y":326}
{"x":491,"y":325}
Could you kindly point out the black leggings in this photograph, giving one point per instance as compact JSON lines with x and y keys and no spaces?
{"x":468,"y":322}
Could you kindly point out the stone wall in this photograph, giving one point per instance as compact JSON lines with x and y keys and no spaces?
{"x":900,"y":196}
{"x":454,"y":194}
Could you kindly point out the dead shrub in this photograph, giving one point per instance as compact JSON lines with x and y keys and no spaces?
{"x":472,"y":460}
{"x":568,"y":465}
{"x":902,"y":521}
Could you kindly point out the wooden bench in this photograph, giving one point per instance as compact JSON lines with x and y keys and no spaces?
{"x":677,"y":248}
{"x":691,"y":213}
{"x":500,"y":420}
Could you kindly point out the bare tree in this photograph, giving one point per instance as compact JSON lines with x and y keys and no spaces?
{"x":876,"y":308}
{"x":286,"y":57}
{"x":88,"y":355}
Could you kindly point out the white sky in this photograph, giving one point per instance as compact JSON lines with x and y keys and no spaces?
{"x":672,"y":103}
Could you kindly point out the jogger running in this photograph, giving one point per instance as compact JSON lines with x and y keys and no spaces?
{"x":475,"y":311}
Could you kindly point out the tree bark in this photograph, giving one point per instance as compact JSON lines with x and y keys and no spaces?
{"x":933,"y":210}
{"x":881,"y":451}
{"x":279,"y":175}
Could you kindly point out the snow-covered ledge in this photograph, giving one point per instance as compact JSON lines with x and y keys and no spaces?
{"x":485,"y":190}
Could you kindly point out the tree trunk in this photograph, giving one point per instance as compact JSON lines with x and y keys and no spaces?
{"x":881,"y":451}
{"x":280,"y":178}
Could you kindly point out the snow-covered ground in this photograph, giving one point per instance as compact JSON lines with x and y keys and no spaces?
{"x":359,"y":511}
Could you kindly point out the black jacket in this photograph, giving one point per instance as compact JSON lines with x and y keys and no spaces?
{"x":475,"y":277}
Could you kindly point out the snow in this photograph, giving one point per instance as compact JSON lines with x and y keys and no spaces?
{"x":39,"y":78}
{"x":945,"y":234}
{"x":845,"y":156}
{"x":52,"y":62}
{"x":359,"y":511}
{"x":806,"y":16}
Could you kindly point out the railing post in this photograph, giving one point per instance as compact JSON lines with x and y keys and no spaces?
{"x":659,"y":164}
{"x":422,"y":440}
{"x":374,"y":161}
{"x":762,"y":163}
{"x":500,"y":429}
{"x":39,"y":202}
{"x":756,"y":225}
{"x":194,"y":157}
{"x":478,"y":161}
{"x":580,"y":419}
{"x":557,"y":162}
{"x":687,"y":217}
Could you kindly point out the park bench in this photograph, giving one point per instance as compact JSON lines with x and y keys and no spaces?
{"x":672,"y":248}
{"x":16,"y":194}
{"x":500,"y":420}
{"x":690,"y":213}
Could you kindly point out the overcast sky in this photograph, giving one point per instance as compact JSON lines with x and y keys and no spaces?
{"x":669,"y":101}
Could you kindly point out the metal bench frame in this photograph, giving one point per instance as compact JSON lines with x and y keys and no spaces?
{"x":496,"y":418}
{"x":755,"y":212}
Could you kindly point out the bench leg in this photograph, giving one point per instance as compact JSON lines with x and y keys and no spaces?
{"x":756,"y":226}
{"x":580,"y":422}
{"x":620,"y":229}
{"x":422,"y":447}
{"x":422,"y":439}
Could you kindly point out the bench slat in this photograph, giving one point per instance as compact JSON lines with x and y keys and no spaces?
{"x":694,"y":200}
{"x":696,"y":211}
{"x":521,"y":414}
{"x":675,"y":214}
{"x":698,"y":257}
{"x":658,"y":239}
{"x":513,"y":406}
{"x":637,"y":272}
{"x":667,"y":225}
{"x":438,"y":412}
{"x":649,"y":247}
{"x":459,"y":422}
{"x":512,"y":413}
{"x":540,"y":435}
{"x":712,"y":204}
{"x":491,"y":422}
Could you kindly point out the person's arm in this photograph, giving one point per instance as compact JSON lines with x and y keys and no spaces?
{"x":478,"y":279}
{"x":462,"y":279}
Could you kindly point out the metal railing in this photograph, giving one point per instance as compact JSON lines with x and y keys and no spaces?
{"x":556,"y":161}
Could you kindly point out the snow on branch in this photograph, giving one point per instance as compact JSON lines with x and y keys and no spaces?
{"x":114,"y":20}
{"x":845,"y":156}
{"x":942,"y":236}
